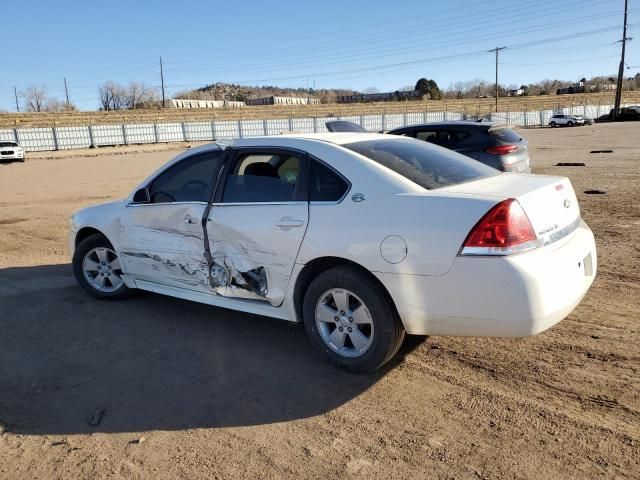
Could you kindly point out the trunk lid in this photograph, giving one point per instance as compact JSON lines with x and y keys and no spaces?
{"x":549,"y":202}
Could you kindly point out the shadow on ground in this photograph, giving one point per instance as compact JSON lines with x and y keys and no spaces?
{"x":151,"y":362}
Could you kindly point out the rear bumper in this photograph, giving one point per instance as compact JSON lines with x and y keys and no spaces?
{"x":513,"y":296}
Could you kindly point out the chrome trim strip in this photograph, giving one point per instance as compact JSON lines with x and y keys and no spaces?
{"x":563,"y":232}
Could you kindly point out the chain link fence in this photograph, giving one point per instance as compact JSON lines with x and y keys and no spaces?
{"x":64,"y":138}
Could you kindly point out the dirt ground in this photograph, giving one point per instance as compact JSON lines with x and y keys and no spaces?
{"x":196,"y":392}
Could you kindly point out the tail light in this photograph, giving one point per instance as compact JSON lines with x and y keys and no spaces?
{"x":502,"y":149}
{"x":504,"y":230}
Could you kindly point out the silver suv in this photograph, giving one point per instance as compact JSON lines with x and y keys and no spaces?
{"x":566,"y":120}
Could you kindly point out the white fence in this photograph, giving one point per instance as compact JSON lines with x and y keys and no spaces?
{"x":63,"y":138}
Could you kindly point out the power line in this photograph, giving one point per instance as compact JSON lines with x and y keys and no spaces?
{"x":394,"y":52}
{"x":423,"y":60}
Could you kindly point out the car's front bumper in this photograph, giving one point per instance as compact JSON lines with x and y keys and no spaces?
{"x":511,"y":296}
{"x":12,"y":156}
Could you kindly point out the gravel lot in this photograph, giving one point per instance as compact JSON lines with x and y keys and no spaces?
{"x":191,"y":391}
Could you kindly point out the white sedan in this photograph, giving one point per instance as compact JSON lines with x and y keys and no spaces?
{"x":11,"y":151}
{"x":363,"y":237}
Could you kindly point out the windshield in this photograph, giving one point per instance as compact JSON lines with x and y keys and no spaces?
{"x":8,"y":144}
{"x":427,"y":165}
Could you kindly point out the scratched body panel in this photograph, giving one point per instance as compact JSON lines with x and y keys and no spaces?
{"x":164,"y":243}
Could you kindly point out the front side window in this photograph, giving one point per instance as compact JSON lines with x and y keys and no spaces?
{"x":325,"y":185}
{"x":421,"y":163}
{"x":190,"y":180}
{"x":264,"y":177}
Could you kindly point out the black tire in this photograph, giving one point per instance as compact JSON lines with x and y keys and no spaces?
{"x":387,"y":327}
{"x":552,"y":124}
{"x":570,"y":124}
{"x":88,"y":244}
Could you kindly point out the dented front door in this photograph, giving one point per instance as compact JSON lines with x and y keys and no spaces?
{"x":162,"y":237}
{"x":164,"y":244}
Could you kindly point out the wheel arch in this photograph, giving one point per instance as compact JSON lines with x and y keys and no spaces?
{"x":86,"y":232}
{"x":318,"y":265}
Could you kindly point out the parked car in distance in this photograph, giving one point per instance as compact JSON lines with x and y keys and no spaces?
{"x":561,"y":120}
{"x":362,"y":237}
{"x":11,"y":151}
{"x":586,"y":120}
{"x":490,"y":143}
{"x":627,"y":114}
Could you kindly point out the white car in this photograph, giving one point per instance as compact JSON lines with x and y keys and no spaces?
{"x":11,"y":151}
{"x":363,"y":237}
{"x":566,"y":120}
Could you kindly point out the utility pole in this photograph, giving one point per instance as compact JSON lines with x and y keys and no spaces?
{"x":497,"y":49}
{"x":616,"y":107}
{"x":162,"y":82}
{"x":15,"y":92}
{"x":66,"y":91}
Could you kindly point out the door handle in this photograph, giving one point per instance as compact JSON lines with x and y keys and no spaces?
{"x":188,"y":219}
{"x":287,"y":223}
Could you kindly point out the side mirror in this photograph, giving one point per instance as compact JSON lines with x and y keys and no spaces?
{"x":142,"y":196}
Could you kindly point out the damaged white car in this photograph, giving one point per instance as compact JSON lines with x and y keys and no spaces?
{"x":363,"y":237}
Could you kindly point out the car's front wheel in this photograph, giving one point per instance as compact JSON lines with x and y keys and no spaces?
{"x":570,"y":124}
{"x":552,"y":124}
{"x":97,"y":269}
{"x":351,"y":320}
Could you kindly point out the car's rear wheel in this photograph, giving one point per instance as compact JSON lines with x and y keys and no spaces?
{"x":97,"y":269}
{"x":552,"y":124}
{"x":351,"y":320}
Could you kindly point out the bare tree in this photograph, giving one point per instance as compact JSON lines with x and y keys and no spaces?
{"x":34,"y":98}
{"x":138,"y":95}
{"x":112,"y":96}
{"x":55,"y":105}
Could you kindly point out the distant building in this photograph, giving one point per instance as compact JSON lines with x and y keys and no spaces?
{"x":379,"y":97}
{"x":186,"y":103}
{"x":273,"y":100}
{"x":587,"y":88}
{"x":516,"y":93}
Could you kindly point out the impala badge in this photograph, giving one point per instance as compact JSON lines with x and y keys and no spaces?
{"x":567,"y":203}
{"x":358,"y":197}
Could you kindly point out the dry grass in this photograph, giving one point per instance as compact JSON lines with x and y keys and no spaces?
{"x":475,"y":106}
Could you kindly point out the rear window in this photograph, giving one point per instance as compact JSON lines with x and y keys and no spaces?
{"x":427,"y":165}
{"x":506,"y":134}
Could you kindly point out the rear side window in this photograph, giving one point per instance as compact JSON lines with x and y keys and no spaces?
{"x":444,"y":138}
{"x":505,"y":135}
{"x":264,"y":177}
{"x":325,"y":185}
{"x":428,"y":166}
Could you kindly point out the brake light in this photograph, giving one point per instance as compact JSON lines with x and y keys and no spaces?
{"x":502,"y":149}
{"x":504,"y":230}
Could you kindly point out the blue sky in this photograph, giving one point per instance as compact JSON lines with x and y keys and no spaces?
{"x":351,"y":44}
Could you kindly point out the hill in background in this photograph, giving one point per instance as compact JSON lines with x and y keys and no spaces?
{"x":230,"y":91}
